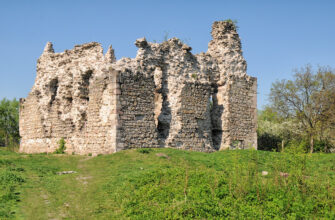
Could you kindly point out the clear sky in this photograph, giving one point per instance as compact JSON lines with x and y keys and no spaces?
{"x":277,"y":36}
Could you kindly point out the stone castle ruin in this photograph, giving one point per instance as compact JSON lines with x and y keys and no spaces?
{"x":164,"y":97}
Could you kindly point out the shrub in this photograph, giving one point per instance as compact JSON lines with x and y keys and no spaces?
{"x":267,"y":141}
{"x":233,"y":23}
{"x":322,"y":146}
{"x":194,"y":76}
{"x":296,"y":146}
{"x":144,"y":150}
{"x":61,"y":149}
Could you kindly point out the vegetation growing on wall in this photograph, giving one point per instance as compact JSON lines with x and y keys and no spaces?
{"x":61,"y":147}
{"x":233,"y":22}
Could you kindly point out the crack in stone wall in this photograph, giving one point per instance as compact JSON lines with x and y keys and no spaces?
{"x":164,"y":97}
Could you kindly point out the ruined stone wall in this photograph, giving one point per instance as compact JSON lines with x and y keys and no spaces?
{"x":240,"y":118}
{"x":65,"y":101}
{"x":234,"y":114}
{"x":195,"y":130}
{"x":137,"y":104}
{"x":102,"y":118}
{"x":164,"y":97}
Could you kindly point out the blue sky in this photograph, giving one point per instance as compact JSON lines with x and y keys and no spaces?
{"x":277,"y":36}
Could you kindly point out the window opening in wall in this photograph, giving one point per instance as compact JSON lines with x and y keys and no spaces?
{"x":53,"y":87}
{"x":216,"y":110}
{"x":84,"y":85}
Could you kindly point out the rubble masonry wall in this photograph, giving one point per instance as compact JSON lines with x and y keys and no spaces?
{"x":164,"y":97}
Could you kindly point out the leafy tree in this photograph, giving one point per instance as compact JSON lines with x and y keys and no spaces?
{"x":274,"y":131}
{"x":9,"y":121}
{"x":308,"y":99}
{"x":268,"y":139}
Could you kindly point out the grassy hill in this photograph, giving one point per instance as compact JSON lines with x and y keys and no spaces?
{"x":167,"y":183}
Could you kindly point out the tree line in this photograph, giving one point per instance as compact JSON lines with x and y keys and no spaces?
{"x":301,"y":112}
{"x":9,"y":122}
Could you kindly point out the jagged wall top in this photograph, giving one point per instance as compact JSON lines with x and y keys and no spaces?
{"x":225,"y":47}
{"x":159,"y":98}
{"x":90,"y":51}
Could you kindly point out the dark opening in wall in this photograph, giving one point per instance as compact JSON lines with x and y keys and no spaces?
{"x":216,"y":105}
{"x":86,"y":76}
{"x":163,"y":114}
{"x":164,"y":127}
{"x":84,"y":84}
{"x":53,"y":87}
{"x":162,"y":105}
{"x":216,"y":138}
{"x":83,"y":120}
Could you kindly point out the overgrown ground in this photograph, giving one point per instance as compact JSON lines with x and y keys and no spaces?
{"x":138,"y":184}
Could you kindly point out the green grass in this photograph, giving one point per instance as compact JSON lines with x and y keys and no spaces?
{"x":138,"y":184}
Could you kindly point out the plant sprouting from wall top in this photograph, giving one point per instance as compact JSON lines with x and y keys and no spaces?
{"x":233,"y":23}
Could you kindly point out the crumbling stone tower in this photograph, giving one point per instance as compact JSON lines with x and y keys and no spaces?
{"x":165,"y":97}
